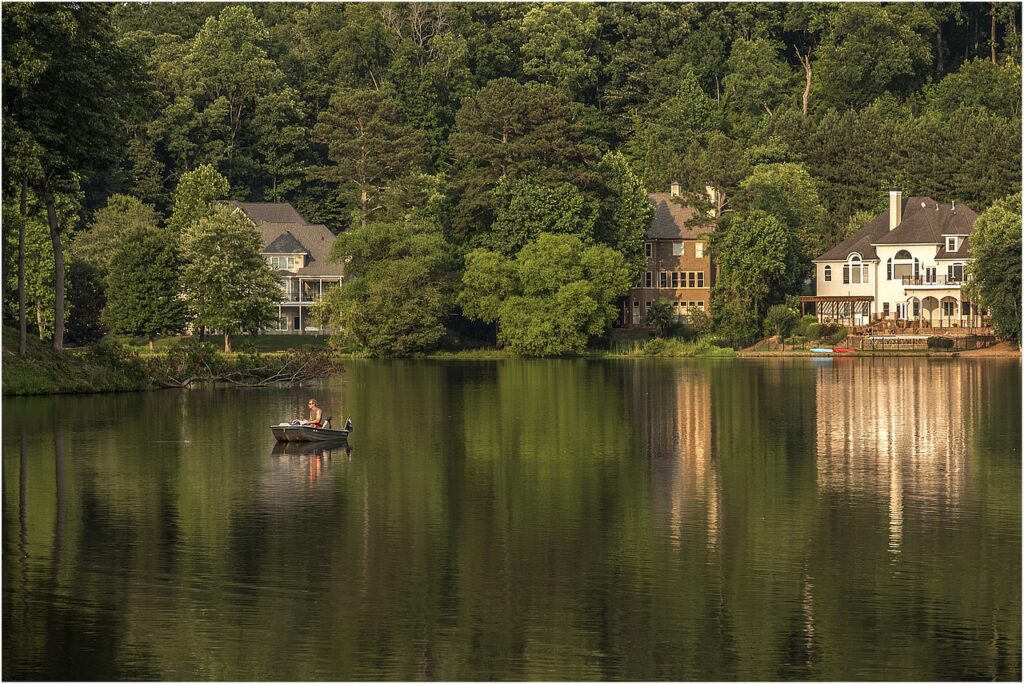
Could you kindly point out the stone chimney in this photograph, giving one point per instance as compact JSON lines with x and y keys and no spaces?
{"x":895,"y":207}
{"x":677,"y":189}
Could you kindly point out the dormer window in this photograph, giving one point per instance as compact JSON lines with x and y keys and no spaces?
{"x":951,"y":244}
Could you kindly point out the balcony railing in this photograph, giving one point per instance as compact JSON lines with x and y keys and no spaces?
{"x":936,"y":280}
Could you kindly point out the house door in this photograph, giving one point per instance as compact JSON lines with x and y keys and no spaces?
{"x":929,"y":274}
{"x":901,"y":311}
{"x":636,"y":312}
{"x":296,"y":323}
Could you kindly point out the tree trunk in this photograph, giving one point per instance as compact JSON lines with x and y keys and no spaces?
{"x":22,"y":319}
{"x":227,"y":342}
{"x":805,"y":61}
{"x":993,"y":42}
{"x":58,"y":272}
{"x":39,"y":320}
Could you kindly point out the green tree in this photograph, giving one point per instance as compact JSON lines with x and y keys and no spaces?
{"x":144,"y":286}
{"x":370,"y":147}
{"x":551,"y":298}
{"x":626,"y":211}
{"x":529,"y":209}
{"x":788,"y":192}
{"x":872,"y":49}
{"x":559,"y":43}
{"x":195,"y":196}
{"x":759,"y":80}
{"x":978,"y":83}
{"x":759,"y":260}
{"x":995,"y":281}
{"x":660,"y":317}
{"x":398,"y":288}
{"x":227,"y":72}
{"x":780,"y":321}
{"x":69,"y":90}
{"x":112,"y":227}
{"x":228,"y":284}
{"x":512,"y":130}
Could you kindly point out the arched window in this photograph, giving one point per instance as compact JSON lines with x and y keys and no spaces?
{"x":903,"y":254}
{"x":904,"y":265}
{"x":855,"y":271}
{"x":828,"y":274}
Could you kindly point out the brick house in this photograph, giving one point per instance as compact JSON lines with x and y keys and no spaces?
{"x":679,"y":265}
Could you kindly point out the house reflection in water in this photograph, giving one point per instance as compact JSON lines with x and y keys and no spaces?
{"x":677,"y":412}
{"x":896,"y":431}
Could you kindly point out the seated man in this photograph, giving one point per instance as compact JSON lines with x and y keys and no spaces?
{"x":316,"y":416}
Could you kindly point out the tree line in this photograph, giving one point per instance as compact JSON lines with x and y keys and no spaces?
{"x":452,"y":144}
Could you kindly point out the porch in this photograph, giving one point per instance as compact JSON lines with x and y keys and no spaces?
{"x":850,"y":311}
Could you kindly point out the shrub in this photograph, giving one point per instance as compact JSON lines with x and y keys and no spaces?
{"x":655,"y":347}
{"x":828,"y":330}
{"x":804,"y":324}
{"x":660,"y":317}
{"x":797,"y":340}
{"x":939,"y":342}
{"x":813,"y":331}
{"x":839,"y":335}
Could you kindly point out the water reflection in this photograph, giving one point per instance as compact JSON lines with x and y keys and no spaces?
{"x":526,"y":520}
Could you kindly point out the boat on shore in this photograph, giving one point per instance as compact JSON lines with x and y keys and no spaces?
{"x":298,"y":432}
{"x":821,"y":350}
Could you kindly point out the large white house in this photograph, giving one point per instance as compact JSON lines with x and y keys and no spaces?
{"x":300,"y":253}
{"x":907,"y":264}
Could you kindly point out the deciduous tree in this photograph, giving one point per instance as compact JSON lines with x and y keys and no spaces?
{"x":995,"y":281}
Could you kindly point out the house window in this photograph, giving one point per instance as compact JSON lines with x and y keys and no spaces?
{"x":675,"y":279}
{"x":649,"y":279}
{"x":885,"y":310}
{"x":965,"y":309}
{"x":700,"y":305}
{"x":955,"y":273}
{"x":648,"y":249}
{"x":917,"y":308}
{"x":295,"y":320}
{"x":663,"y":279}
{"x":691,"y":278}
{"x":864,"y":271}
{"x":700,"y":278}
{"x":828,"y":274}
{"x":888,"y":269}
{"x":948,"y":308}
{"x":647,"y":305}
{"x":699,"y":250}
{"x":951,"y":244}
{"x":677,"y":249}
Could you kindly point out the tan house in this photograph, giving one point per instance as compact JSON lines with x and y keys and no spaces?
{"x":300,"y":253}
{"x":679,"y":266}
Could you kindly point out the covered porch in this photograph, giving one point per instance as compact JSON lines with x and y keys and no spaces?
{"x":851,"y":311}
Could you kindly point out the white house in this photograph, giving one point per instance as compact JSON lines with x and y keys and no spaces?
{"x":907,"y":264}
{"x":300,"y":253}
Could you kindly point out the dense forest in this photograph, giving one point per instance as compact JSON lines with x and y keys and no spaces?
{"x":422,"y":132}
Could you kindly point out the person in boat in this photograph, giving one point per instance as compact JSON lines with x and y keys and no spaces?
{"x":316,"y":416}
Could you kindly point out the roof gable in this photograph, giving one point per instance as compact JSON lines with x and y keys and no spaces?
{"x":269,"y":212}
{"x":285,"y":243}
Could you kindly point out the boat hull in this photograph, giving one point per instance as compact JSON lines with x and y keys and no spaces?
{"x":305,"y":433}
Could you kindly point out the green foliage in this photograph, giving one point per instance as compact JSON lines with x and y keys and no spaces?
{"x":660,"y":317}
{"x":733,"y":321}
{"x":228,"y":285}
{"x":780,"y":321}
{"x":397,"y":292}
{"x":195,"y":196}
{"x":995,"y":279}
{"x":814,"y":331}
{"x":759,"y":259}
{"x":788,"y":192}
{"x":112,"y":226}
{"x":529,"y":209}
{"x":143,"y":286}
{"x":759,"y":79}
{"x":548,"y":300}
{"x":839,"y":335}
{"x":370,"y":145}
{"x":978,"y":83}
{"x":86,"y":299}
{"x":559,"y":43}
{"x":625,"y":211}
{"x":939,"y":342}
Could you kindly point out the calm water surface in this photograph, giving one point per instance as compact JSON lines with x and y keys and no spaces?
{"x":848,"y":519}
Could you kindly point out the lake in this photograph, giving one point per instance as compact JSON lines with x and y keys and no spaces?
{"x":556,"y":520}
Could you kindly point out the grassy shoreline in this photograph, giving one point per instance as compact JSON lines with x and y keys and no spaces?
{"x":109,"y":368}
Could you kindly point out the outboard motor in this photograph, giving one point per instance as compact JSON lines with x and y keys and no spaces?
{"x":348,"y":425}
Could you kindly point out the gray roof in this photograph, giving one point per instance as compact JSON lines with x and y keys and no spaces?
{"x":963,"y":252}
{"x":315,"y":238}
{"x":285,"y":243}
{"x":670,"y":219}
{"x":919,"y":225}
{"x":269,"y":212}
{"x":282,"y":236}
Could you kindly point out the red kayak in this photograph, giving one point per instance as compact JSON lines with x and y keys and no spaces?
{"x":843,"y":350}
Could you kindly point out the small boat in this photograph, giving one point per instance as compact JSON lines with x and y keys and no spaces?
{"x":843,"y":350}
{"x":821,"y":350}
{"x":326,"y":448}
{"x":297,"y":432}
